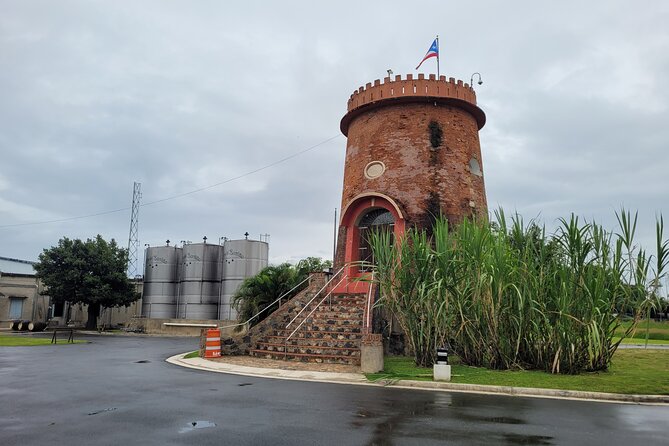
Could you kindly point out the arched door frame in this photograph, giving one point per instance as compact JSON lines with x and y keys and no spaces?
{"x":352,"y":214}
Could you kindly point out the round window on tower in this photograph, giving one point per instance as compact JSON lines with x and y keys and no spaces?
{"x":374,"y":170}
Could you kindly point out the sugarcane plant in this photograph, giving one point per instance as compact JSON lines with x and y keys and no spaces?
{"x":504,"y":294}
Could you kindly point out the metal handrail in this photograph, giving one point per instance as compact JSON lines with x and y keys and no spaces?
{"x":315,"y":308}
{"x":368,"y":307}
{"x":268,"y":306}
{"x":315,"y":295}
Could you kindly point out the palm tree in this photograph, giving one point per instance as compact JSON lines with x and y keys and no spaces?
{"x":259,"y":291}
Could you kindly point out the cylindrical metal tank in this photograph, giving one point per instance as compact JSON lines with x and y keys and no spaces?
{"x":160,"y":282}
{"x":200,"y":281}
{"x":242,"y":259}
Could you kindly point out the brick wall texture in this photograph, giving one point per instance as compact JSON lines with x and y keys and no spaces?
{"x":395,"y":123}
{"x":422,"y":179}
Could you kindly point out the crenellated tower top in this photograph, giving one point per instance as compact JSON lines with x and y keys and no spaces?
{"x":399,"y":91}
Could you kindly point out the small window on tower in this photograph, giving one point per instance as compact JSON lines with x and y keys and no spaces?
{"x":436,"y":134}
{"x":475,"y":168}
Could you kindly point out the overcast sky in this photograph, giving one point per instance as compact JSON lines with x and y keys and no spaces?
{"x":95,"y":95}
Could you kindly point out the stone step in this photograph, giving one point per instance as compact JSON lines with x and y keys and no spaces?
{"x":318,"y":328}
{"x":346,"y":302}
{"x":310,"y":349}
{"x":329,"y":320}
{"x":306,"y":357}
{"x":352,"y":329}
{"x":347,"y":299}
{"x":338,"y":336}
{"x":326,"y":323}
{"x":331,"y":334}
{"x":346,"y":311}
{"x":324,"y":317}
{"x":334,"y":308}
{"x":310,"y":342}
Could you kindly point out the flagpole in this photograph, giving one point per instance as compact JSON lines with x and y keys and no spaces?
{"x":437,"y":56}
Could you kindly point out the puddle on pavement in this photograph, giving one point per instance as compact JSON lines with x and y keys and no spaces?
{"x":109,"y":409}
{"x":199,"y":424}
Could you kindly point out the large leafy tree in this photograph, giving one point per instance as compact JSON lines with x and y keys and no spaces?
{"x":91,"y":272}
{"x":259,"y":292}
{"x":312,"y":264}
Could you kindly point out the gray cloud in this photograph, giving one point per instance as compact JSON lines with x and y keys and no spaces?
{"x":182,"y":95}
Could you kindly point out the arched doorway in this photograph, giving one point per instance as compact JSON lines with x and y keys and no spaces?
{"x":371,"y":222}
{"x":360,"y":216}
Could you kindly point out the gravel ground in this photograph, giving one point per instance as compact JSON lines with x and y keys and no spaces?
{"x":250,"y":361}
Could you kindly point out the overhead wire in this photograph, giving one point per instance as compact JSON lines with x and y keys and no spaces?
{"x":173,"y":197}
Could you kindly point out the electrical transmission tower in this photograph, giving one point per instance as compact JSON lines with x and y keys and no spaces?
{"x":133,"y":238}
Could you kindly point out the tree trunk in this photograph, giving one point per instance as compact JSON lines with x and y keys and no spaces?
{"x":93,"y":313}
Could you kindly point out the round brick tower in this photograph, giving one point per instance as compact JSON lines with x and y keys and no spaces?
{"x":412,"y":153}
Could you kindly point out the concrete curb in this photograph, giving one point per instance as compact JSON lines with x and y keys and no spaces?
{"x":537,"y":392}
{"x":297,"y":375}
{"x":361,"y":380}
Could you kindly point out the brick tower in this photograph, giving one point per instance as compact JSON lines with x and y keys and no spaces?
{"x":412,"y":153}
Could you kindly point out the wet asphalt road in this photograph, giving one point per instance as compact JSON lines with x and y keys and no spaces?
{"x":119,"y":390}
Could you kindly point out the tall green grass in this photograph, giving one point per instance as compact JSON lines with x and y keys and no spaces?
{"x":507,"y":295}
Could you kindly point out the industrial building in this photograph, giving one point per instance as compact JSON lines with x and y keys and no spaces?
{"x":193,"y":285}
{"x":184,"y":288}
{"x":20,"y":292}
{"x":21,"y":298}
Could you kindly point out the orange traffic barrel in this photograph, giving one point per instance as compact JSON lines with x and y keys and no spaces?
{"x":212,"y":346}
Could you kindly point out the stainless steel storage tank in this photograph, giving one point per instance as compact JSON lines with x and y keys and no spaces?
{"x":242,"y":259}
{"x":160,"y":282}
{"x":200,"y":281}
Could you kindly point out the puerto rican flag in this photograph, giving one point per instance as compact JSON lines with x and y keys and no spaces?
{"x":432,"y":52}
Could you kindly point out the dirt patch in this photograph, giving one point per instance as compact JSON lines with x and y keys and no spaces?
{"x":250,"y":361}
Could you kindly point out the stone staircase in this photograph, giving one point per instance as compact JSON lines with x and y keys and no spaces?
{"x":330,"y":335}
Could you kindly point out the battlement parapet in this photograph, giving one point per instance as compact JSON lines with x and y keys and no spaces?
{"x":397,"y":90}
{"x":411,"y":86}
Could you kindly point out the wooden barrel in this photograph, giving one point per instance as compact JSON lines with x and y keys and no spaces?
{"x":23,"y":325}
{"x":14,"y":325}
{"x":212,"y":347}
{"x":36,"y":326}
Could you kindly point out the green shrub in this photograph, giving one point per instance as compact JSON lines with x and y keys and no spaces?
{"x":513,"y":297}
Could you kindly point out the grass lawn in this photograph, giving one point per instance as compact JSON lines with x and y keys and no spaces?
{"x":656,"y":330}
{"x":637,"y":341}
{"x":633,"y":371}
{"x":195,"y":354}
{"x":29,"y":341}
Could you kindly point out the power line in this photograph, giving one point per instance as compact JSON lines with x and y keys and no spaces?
{"x":244,"y":174}
{"x":173,"y":197}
